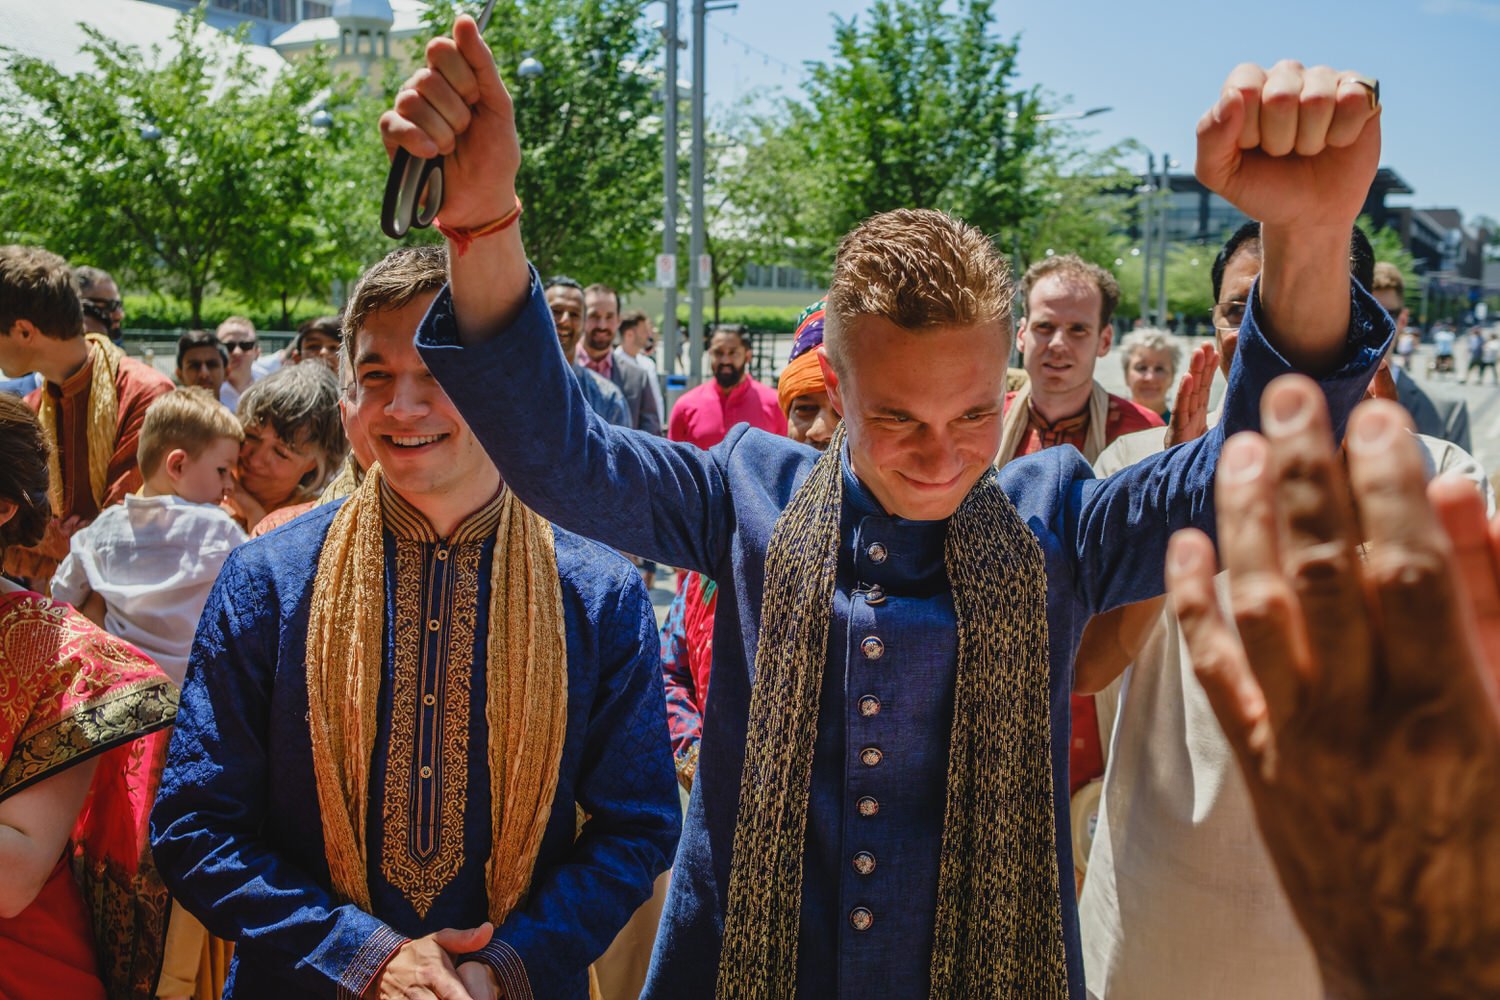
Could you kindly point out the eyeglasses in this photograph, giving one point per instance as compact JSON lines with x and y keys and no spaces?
{"x":238,"y":345}
{"x":1230,"y":313}
{"x":108,"y":305}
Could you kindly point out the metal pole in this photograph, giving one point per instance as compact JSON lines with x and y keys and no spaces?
{"x":1146,"y":222}
{"x":669,"y":333}
{"x":1163,"y":245}
{"x":699,"y":237}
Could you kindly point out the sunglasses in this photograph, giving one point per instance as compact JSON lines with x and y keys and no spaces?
{"x":238,"y":345}
{"x":108,"y":305}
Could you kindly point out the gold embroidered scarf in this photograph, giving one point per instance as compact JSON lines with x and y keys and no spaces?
{"x":1018,"y":422}
{"x":104,"y":420}
{"x":525,"y":702}
{"x":998,"y":926}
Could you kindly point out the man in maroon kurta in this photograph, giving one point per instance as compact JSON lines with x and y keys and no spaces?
{"x":1066,"y":331}
{"x":41,"y":330}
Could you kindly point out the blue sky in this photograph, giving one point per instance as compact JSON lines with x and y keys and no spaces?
{"x":1160,"y":64}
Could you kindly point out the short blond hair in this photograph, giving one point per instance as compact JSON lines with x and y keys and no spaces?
{"x":1388,"y":276}
{"x":919,"y":269}
{"x":189,"y":418}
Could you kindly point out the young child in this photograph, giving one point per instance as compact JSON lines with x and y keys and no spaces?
{"x":142,"y":570}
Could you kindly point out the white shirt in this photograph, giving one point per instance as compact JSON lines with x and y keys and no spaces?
{"x":153,"y":560}
{"x":230,"y":396}
{"x":1181,"y":899}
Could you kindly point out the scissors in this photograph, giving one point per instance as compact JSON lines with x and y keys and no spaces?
{"x":414,"y":187}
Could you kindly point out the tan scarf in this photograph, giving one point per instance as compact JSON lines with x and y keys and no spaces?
{"x":1018,"y":423}
{"x":526,"y":690}
{"x":104,"y":420}
{"x":999,"y":920}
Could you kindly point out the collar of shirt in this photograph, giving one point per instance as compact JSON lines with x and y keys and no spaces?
{"x":76,"y":384}
{"x":1058,"y":432}
{"x":404,"y":520}
{"x":604,"y":366}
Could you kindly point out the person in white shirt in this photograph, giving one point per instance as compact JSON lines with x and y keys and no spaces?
{"x":142,"y":570}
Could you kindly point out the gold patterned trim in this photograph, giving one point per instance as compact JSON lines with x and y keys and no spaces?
{"x":407,"y":523}
{"x":125,"y":713}
{"x":687,"y":767}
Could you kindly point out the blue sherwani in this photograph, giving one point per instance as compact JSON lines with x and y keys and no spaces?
{"x":236,"y":828}
{"x":879,"y":768}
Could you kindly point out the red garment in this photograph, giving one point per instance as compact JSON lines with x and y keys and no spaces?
{"x":1125,"y":417}
{"x":1086,"y":753}
{"x":70,"y":692}
{"x":137,"y":386}
{"x":704,"y":415}
{"x":702,"y":600}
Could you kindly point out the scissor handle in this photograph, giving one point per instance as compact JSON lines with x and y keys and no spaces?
{"x":404,"y":207}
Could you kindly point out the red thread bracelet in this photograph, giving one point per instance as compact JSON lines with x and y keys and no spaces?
{"x":461,"y":238}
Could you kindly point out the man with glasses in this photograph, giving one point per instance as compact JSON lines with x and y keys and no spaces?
{"x":237,"y":335}
{"x":103,"y":309}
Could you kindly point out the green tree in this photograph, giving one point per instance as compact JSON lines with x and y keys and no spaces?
{"x":918,"y":107}
{"x":1388,"y":247}
{"x":590,"y":129}
{"x":187,"y":169}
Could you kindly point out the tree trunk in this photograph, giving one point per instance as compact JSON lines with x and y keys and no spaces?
{"x":195,"y":302}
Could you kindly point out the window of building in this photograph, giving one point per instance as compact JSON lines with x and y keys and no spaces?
{"x":311,"y":8}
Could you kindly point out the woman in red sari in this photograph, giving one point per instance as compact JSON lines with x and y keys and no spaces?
{"x":84,"y":720}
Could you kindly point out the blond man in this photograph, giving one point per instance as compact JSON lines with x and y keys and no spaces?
{"x":885,"y":809}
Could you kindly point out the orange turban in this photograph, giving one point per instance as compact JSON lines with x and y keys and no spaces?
{"x":802,"y":376}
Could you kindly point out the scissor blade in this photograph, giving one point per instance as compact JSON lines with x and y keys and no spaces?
{"x":483,"y":20}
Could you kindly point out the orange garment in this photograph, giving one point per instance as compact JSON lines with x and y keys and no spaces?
{"x":137,"y":386}
{"x":1086,"y":753}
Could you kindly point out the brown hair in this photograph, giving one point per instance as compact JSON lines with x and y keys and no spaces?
{"x":600,"y":289}
{"x":1071,"y":267}
{"x":632,"y":319}
{"x":919,"y":269}
{"x":1388,"y":276}
{"x":23,"y":473}
{"x":38,"y":286}
{"x":391,"y":283}
{"x":301,"y":404}
{"x":189,"y":418}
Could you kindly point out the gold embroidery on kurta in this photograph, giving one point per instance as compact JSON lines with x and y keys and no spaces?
{"x":427,"y":779}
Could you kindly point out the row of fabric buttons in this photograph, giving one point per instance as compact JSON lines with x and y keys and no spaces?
{"x":860,"y":918}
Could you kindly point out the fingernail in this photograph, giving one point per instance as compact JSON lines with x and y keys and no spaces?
{"x":1290,"y":410}
{"x":1184,"y":558}
{"x":1241,"y":461}
{"x":1374,"y":430}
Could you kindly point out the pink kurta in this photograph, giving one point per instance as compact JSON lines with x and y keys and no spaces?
{"x":703,"y":416}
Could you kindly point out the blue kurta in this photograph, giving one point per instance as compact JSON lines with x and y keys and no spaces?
{"x":235,"y":829}
{"x":879,"y":767}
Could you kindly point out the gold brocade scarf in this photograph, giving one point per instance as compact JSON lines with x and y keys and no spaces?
{"x":526,"y":690}
{"x":1018,"y":422}
{"x":104,"y":419}
{"x":998,"y":928}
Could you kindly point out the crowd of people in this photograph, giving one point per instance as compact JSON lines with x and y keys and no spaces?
{"x":303,"y":657}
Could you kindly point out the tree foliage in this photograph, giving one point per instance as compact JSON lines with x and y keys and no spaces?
{"x":190,"y":167}
{"x":591,"y":136}
{"x":918,"y":107}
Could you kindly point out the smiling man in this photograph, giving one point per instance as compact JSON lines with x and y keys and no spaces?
{"x":880,"y":802}
{"x":395,"y":703}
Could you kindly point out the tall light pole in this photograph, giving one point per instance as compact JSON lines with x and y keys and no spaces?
{"x":699,"y":240}
{"x":1164,"y":214}
{"x":669,"y":174}
{"x":1147,"y":192}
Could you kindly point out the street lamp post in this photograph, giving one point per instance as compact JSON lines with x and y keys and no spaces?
{"x":699,"y":241}
{"x":1163,"y":215}
{"x":669,"y":333}
{"x":1146,"y":191}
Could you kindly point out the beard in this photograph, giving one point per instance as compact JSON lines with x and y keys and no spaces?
{"x":728,"y":376}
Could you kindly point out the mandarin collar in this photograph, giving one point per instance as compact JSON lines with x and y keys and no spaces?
{"x":896,"y":554}
{"x":77,"y":383}
{"x":406,"y":522}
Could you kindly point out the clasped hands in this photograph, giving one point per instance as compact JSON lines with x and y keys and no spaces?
{"x":423,"y":969}
{"x":1357,"y":686}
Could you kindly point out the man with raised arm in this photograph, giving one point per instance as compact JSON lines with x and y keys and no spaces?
{"x":886,"y":803}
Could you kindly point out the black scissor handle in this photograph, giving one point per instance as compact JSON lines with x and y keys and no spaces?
{"x":405,"y":208}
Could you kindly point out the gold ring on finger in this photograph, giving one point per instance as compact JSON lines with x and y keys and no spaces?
{"x":1372,"y":86}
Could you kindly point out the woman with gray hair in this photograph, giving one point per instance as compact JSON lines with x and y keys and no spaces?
{"x":1151,"y":358}
{"x":294,"y":441}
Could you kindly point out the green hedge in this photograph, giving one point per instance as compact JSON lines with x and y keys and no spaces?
{"x":160,"y":312}
{"x":766,"y":319}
